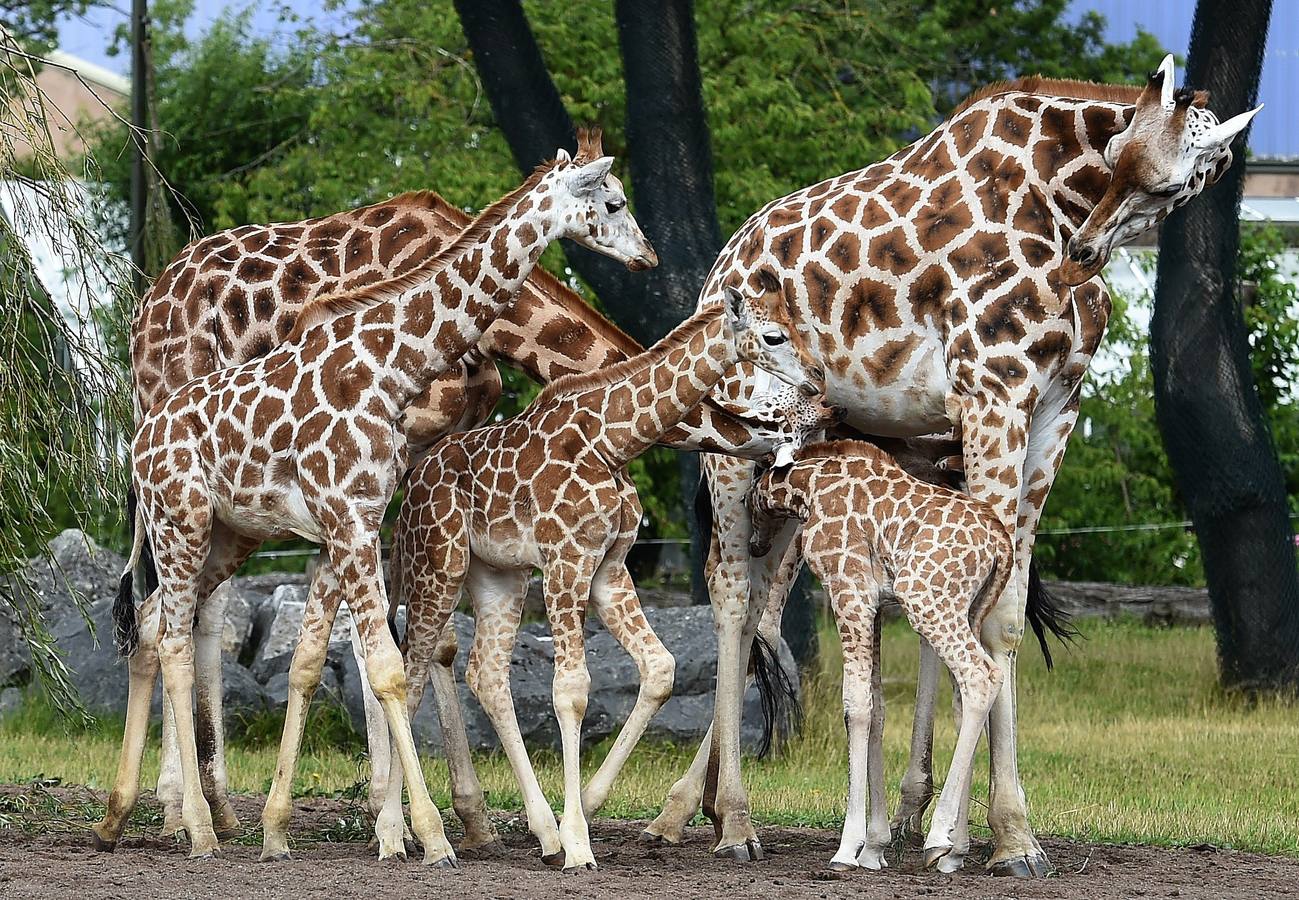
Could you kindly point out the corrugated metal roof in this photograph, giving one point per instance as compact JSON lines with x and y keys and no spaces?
{"x":1275,"y":133}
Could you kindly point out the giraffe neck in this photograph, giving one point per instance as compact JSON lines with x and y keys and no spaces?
{"x":657,"y":389}
{"x":447,"y":312}
{"x":1067,"y":152}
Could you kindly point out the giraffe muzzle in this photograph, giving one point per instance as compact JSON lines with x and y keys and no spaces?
{"x":647,"y":260}
{"x":1082,"y":262}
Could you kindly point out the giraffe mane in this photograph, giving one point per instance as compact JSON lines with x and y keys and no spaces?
{"x":841,"y":447}
{"x":1055,"y":87}
{"x":331,"y":306}
{"x":583,"y":381}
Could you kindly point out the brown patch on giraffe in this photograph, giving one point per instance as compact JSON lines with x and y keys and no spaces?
{"x":821,"y":290}
{"x":1034,"y":215}
{"x":1101,"y":124}
{"x":944,"y":217}
{"x":892,"y":252}
{"x":845,"y":207}
{"x":1012,"y":127}
{"x":1059,"y":144}
{"x":931,"y":161}
{"x":786,"y":247}
{"x":1036,"y":253}
{"x":999,"y":324}
{"x":982,"y":253}
{"x":1049,"y":351}
{"x":885,"y":366}
{"x":296,"y":281}
{"x":845,"y":252}
{"x":782,"y":216}
{"x":1002,"y":179}
{"x":869,"y":306}
{"x":398,"y":236}
{"x":900,"y":195}
{"x":818,"y":232}
{"x":566,"y":336}
{"x":968,"y":130}
{"x":1010,"y":369}
{"x":929,"y":293}
{"x":1089,"y":181}
{"x":1024,"y":297}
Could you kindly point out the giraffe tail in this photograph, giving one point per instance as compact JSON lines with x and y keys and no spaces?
{"x":1044,"y":614}
{"x":126,"y":626}
{"x":782,"y":710}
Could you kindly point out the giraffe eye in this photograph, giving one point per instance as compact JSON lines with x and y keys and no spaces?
{"x":612,"y":206}
{"x":774,"y":338}
{"x":1167,"y":192}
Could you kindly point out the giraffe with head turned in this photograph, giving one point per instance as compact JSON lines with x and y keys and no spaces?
{"x":548,"y":489}
{"x":871,"y":532}
{"x":305,"y":441}
{"x":952,"y":288}
{"x":236,"y":295}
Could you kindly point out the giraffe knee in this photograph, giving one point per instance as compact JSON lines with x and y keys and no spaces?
{"x":571,"y":689}
{"x":387,"y":674}
{"x":304,"y":668}
{"x":1002,"y":631}
{"x":660,"y":674}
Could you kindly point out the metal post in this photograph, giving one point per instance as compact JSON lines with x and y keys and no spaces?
{"x":139,"y":124}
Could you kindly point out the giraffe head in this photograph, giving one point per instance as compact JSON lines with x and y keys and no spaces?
{"x":591,"y":207}
{"x":763,"y":326}
{"x":803,"y":419}
{"x":1172,"y":148}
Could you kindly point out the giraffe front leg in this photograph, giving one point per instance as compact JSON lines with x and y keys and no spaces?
{"x":856,"y":633}
{"x":614,"y":597}
{"x":567,"y":584}
{"x":209,"y":720}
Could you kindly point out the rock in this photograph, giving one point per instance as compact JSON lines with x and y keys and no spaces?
{"x":239,"y":610}
{"x":11,"y":701}
{"x":284,"y":612}
{"x":277,"y":688}
{"x":242,"y":696}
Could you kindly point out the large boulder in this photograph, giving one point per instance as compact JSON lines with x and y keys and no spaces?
{"x":279,"y":622}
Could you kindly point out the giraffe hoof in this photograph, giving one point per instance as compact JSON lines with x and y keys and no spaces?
{"x":584,"y":867}
{"x":493,"y":849}
{"x":100,"y":844}
{"x":749,"y":851}
{"x":446,"y":862}
{"x":554,"y":860}
{"x":274,"y":856}
{"x":842,"y":867}
{"x":1034,"y":866}
{"x":944,"y":859}
{"x":649,"y":837}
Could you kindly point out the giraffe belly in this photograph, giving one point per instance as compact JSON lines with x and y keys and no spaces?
{"x":269,"y":515}
{"x":905,"y":401}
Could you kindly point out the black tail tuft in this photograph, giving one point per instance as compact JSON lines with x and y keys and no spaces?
{"x":782,"y":711}
{"x":126,"y":630}
{"x":1045,"y":614}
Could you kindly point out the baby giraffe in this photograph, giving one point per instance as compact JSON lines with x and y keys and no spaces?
{"x":306,"y":441}
{"x":871,"y":532}
{"x":549,"y":489}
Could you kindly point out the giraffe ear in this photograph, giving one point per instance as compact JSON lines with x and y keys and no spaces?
{"x":737,"y":309}
{"x":561,"y":156}
{"x":589,"y":177}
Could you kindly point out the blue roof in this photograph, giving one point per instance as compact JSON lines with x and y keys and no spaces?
{"x":1275,"y":132}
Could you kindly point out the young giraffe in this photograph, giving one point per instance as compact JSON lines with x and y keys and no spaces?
{"x":234,"y":296}
{"x":548,"y":489}
{"x":953,"y":286}
{"x":305,"y":441}
{"x":871,"y":532}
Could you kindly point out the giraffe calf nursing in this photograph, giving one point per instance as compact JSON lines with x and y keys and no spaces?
{"x":871,"y":532}
{"x":548,"y":489}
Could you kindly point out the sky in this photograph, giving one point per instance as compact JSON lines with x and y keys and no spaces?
{"x":1275,"y":132}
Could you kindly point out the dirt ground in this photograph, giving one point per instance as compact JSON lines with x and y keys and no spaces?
{"x":48,"y":857}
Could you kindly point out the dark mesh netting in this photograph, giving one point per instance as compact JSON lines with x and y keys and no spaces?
{"x":1208,"y":408}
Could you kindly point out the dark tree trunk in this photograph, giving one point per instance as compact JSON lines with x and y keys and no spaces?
{"x":1208,"y":407}
{"x":670,"y":160}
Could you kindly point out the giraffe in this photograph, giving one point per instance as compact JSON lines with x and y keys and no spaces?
{"x":953,"y":288}
{"x":304,"y":441}
{"x":548,"y":489}
{"x":232,"y":297}
{"x":872,"y":532}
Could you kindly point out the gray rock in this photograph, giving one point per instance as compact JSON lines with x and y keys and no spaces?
{"x":238,"y":625}
{"x":11,"y":701}
{"x":277,"y":688}
{"x":284,"y":611}
{"x":241,"y":695}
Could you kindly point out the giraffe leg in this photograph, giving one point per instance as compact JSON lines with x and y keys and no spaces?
{"x":878,"y":832}
{"x":996,"y":456}
{"x":977,"y":678}
{"x":854,"y":607}
{"x":567,"y":583}
{"x":209,"y":721}
{"x":304,"y":676}
{"x":357,"y":564}
{"x":377,"y":740}
{"x":614,"y":596}
{"x":466,"y":791}
{"x":918,"y":782}
{"x":683,"y":799}
{"x":498,"y":602}
{"x":143,"y":668}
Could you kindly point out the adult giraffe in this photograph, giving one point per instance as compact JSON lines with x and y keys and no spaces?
{"x":235,"y":295}
{"x":952,"y":286}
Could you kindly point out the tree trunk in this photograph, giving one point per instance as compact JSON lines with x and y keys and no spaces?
{"x":1207,"y":405}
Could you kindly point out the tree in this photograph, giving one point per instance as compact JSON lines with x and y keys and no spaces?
{"x":1208,"y":406}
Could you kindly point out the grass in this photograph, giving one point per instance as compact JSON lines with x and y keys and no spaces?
{"x":1130,"y":740}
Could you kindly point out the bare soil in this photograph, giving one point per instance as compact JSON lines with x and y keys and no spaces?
{"x":45,"y":852}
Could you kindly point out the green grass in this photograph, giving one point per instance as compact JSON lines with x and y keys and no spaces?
{"x":1130,"y":740}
